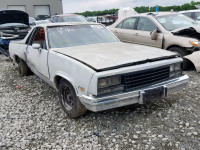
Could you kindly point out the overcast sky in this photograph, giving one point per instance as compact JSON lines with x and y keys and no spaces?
{"x":71,"y":6}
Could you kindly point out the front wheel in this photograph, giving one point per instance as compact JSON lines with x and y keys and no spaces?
{"x":69,"y":101}
{"x":182,"y":52}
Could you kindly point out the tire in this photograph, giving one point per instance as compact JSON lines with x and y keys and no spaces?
{"x":182,"y":52}
{"x":69,"y":101}
{"x":23,"y":68}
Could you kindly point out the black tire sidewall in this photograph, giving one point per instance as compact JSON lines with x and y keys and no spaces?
{"x":73,"y":112}
{"x":23,"y":68}
{"x":182,"y":52}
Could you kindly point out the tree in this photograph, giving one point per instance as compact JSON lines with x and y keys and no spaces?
{"x":143,"y":9}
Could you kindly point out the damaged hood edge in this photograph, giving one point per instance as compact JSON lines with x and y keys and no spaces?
{"x":123,"y":65}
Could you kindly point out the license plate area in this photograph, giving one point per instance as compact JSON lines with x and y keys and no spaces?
{"x":153,"y":94}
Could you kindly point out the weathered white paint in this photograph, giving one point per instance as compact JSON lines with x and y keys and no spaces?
{"x":79,"y":74}
{"x":106,"y":55}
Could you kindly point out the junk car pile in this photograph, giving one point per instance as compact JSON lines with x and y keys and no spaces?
{"x":91,"y":68}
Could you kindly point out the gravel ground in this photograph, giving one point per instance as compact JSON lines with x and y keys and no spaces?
{"x":31,"y":118}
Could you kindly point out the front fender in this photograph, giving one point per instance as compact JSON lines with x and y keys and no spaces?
{"x":70,"y":80}
{"x":194,"y":58}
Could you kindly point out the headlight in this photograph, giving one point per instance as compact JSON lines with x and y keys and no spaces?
{"x":110,"y":85}
{"x":110,"y":81}
{"x":175,"y":69}
{"x":195,"y":43}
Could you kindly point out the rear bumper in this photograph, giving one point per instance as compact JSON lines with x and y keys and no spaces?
{"x":138,"y":96}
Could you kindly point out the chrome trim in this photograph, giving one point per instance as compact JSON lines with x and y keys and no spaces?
{"x":118,"y":100}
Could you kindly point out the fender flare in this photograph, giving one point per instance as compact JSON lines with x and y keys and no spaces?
{"x":72,"y":82}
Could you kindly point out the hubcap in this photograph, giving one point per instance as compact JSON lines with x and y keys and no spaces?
{"x":67,"y":98}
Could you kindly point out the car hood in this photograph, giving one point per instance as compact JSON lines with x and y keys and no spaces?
{"x":114,"y":55}
{"x":13,"y":16}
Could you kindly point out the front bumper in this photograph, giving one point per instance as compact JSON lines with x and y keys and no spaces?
{"x":138,"y":96}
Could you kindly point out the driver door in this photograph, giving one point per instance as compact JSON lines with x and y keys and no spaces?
{"x":38,"y":58}
{"x":143,"y":33}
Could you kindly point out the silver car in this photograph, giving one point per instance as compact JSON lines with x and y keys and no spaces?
{"x":194,"y":14}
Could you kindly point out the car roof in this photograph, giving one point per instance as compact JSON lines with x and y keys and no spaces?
{"x":66,"y":23}
{"x":61,"y":15}
{"x":195,"y":10}
{"x":160,"y":13}
{"x":153,"y":14}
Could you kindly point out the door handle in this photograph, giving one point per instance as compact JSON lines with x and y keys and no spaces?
{"x":136,"y":34}
{"x":116,"y":31}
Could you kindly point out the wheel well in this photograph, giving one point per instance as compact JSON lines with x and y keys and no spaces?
{"x":16,"y":58}
{"x":173,"y":46}
{"x":57,"y":80}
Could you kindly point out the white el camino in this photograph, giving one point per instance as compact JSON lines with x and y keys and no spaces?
{"x":93,"y":70}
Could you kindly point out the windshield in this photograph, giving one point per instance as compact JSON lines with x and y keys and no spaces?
{"x":74,"y":19}
{"x":173,"y":22}
{"x":77,"y":35}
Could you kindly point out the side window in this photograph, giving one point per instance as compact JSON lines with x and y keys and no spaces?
{"x":129,"y":23}
{"x":89,"y":19}
{"x":59,"y":19}
{"x":39,"y":38}
{"x":189,"y":14}
{"x":146,"y":24}
{"x":197,"y":16}
{"x":119,"y":25}
{"x":30,"y":38}
{"x":55,"y":19}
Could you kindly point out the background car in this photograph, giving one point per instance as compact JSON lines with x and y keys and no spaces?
{"x":171,"y":31}
{"x":92,"y":19}
{"x":194,"y":14}
{"x":68,"y":18}
{"x":31,"y":20}
{"x":42,"y":17}
{"x":40,"y":22}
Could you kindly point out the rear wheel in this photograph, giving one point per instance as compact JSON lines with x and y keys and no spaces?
{"x":182,"y":52}
{"x":23,"y":68}
{"x":69,"y":101}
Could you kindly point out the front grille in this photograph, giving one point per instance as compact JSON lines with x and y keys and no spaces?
{"x":145,"y":78}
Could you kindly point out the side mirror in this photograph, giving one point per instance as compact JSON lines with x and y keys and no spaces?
{"x":36,"y":46}
{"x":154,"y":35}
